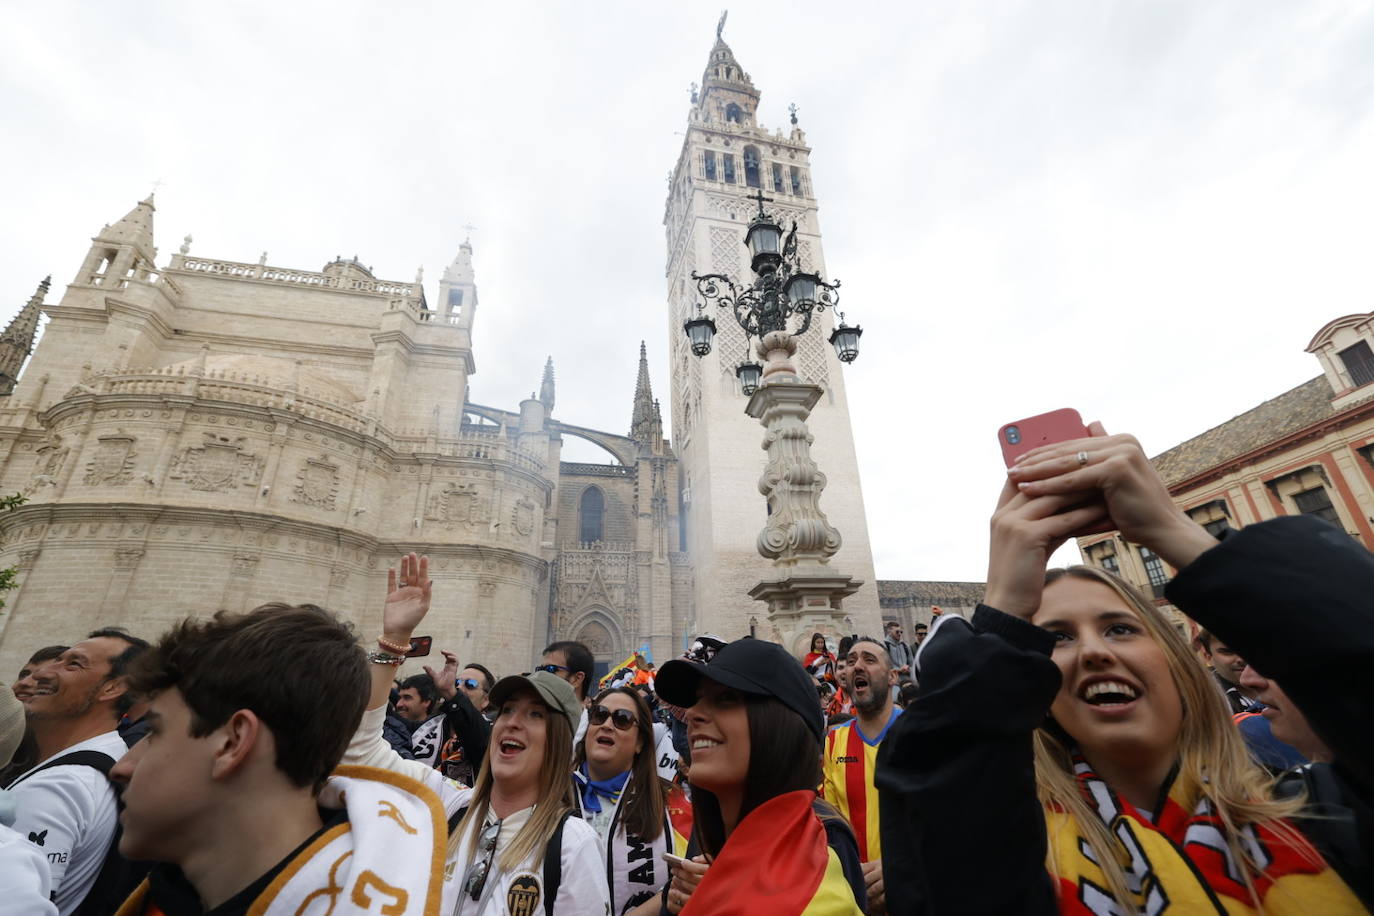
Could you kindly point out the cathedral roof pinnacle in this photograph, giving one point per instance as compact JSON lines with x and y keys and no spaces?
{"x":16,"y":343}
{"x":546,"y":386}
{"x":135,"y":228}
{"x":645,"y":424}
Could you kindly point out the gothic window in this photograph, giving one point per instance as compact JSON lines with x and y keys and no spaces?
{"x":728,"y":160}
{"x":751,"y":167}
{"x":591,"y":512}
{"x":1359,"y":362}
{"x":777,"y":177}
{"x":796,"y":181}
{"x":734,"y":113}
{"x":709,"y":161}
{"x":455,"y":301}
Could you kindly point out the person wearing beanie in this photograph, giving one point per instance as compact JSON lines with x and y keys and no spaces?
{"x":754,"y":727}
{"x":28,"y":883}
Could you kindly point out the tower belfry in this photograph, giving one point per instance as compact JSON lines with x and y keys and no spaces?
{"x":728,"y":157}
{"x":16,"y":342}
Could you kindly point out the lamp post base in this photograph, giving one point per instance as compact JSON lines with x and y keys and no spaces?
{"x":802,"y":604}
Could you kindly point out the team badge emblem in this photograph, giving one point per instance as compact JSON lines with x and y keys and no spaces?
{"x":522,"y":898}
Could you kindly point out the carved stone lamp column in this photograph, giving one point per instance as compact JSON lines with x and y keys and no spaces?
{"x":807,"y":595}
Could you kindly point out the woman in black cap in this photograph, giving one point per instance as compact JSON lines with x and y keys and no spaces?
{"x":754,"y":728}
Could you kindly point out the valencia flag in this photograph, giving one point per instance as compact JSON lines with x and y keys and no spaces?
{"x":777,"y":862}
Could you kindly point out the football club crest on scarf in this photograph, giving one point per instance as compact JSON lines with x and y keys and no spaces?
{"x":522,"y":898}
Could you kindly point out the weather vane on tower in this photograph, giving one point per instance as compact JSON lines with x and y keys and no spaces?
{"x":720,"y":26}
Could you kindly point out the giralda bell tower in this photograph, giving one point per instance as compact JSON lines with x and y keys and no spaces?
{"x":726,"y":156}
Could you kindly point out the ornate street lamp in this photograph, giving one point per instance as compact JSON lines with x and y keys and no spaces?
{"x":782,"y":298}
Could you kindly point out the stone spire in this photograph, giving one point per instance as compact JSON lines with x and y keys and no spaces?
{"x":546,"y":387}
{"x":458,"y":288}
{"x":135,"y":229}
{"x":17,"y":342}
{"x":646,"y":424}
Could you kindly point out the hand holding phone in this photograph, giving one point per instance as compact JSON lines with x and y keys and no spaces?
{"x":420,"y":646}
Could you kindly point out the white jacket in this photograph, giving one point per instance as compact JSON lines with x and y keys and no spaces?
{"x":514,"y":889}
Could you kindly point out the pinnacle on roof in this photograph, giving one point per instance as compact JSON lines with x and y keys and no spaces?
{"x":546,"y":386}
{"x":460,"y":270}
{"x":645,"y":424}
{"x":16,"y":343}
{"x":134,"y":228}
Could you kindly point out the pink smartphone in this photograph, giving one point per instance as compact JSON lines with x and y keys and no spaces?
{"x":1024,"y":435}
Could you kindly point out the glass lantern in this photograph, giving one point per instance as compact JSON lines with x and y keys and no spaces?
{"x":749,"y":375}
{"x":845,"y":340}
{"x":700,"y":332}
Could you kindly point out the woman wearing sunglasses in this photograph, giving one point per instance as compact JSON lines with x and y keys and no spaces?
{"x":515,"y":848}
{"x":620,"y":794}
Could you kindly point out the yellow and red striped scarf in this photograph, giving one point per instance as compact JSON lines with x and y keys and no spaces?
{"x":1179,"y":862}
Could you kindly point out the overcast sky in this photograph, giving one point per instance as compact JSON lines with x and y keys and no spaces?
{"x":1143,"y":210}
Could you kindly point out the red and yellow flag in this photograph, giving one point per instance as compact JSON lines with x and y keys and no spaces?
{"x":777,"y":862}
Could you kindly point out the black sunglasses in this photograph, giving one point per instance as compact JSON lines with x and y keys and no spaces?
{"x":554,"y":669}
{"x":476,"y":878}
{"x":622,"y":719}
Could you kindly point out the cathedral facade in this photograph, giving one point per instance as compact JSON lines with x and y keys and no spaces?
{"x":213,"y":434}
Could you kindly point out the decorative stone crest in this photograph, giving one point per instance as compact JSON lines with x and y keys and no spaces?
{"x":127,"y":557}
{"x":48,"y":460}
{"x":317,"y":483}
{"x":459,"y":504}
{"x":338,"y":577}
{"x":486,"y":587}
{"x":217,"y":466}
{"x":523,"y":519}
{"x":245,"y":564}
{"x":113,"y":463}
{"x":28,"y":557}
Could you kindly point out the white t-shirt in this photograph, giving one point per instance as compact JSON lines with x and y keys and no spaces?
{"x":69,"y":813}
{"x":23,"y":877}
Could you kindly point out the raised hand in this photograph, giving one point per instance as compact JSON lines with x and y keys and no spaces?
{"x":446,"y":680}
{"x":1025,"y":531}
{"x":1137,"y":500}
{"x":407,"y":598}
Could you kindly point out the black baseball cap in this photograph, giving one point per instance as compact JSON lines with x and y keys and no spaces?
{"x":751,"y":666}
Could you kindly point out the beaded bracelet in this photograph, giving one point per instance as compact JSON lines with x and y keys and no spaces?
{"x":385,"y":658}
{"x":392,"y":647}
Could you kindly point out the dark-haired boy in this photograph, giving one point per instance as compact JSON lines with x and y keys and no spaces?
{"x":231,"y":789}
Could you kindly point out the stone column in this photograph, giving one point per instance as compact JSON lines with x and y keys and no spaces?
{"x":807,"y":596}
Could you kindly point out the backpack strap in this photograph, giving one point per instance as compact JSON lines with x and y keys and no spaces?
{"x":96,"y":760}
{"x":553,"y":864}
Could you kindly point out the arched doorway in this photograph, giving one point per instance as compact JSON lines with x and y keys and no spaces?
{"x":597,"y":636}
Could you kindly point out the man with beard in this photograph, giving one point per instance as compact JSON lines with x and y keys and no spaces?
{"x":66,"y":803}
{"x":851,"y":755}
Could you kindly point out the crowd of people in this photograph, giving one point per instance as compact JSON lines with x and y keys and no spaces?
{"x":1067,"y":749}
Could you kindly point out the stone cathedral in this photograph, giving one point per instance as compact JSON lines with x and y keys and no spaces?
{"x":213,"y":434}
{"x":208,"y":434}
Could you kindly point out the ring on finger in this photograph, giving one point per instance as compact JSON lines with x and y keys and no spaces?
{"x":1082,"y":458}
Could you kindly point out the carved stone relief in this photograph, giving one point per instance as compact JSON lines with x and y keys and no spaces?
{"x":218,"y":465}
{"x":127,"y":557}
{"x":47,"y":464}
{"x":113,"y":462}
{"x":523,"y":519}
{"x":317,"y":483}
{"x":459,"y":504}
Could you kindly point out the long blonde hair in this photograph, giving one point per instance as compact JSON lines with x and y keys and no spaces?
{"x":1211,"y":756}
{"x":555,"y":796}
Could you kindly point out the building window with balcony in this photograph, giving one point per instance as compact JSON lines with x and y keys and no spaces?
{"x":708,"y":162}
{"x":1154,"y":571}
{"x":591,"y":513}
{"x":1317,"y":501}
{"x":1359,"y":363}
{"x":728,"y":160}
